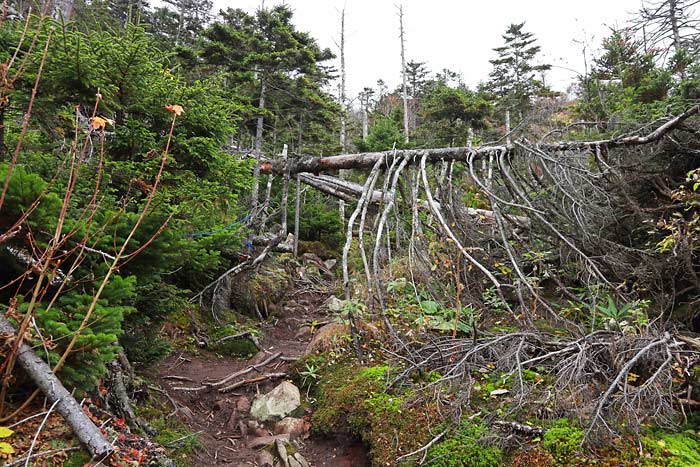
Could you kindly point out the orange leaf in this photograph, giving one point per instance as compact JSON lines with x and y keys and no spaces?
{"x":176,"y":109}
{"x":98,"y":123}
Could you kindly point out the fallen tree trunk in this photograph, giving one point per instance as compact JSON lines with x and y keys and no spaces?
{"x":350,"y":191}
{"x":367,"y":160}
{"x":51,"y":386}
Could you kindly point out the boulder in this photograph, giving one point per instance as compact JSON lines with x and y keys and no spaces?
{"x":294,"y":427}
{"x":278,"y":403}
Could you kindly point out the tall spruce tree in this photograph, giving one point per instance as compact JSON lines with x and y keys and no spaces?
{"x":513,"y":80}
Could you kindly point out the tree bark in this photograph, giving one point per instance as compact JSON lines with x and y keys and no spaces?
{"x":368,"y":159}
{"x":404,"y":91}
{"x":53,"y":389}
{"x":258,"y":143}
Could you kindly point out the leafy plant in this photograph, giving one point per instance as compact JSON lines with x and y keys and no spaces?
{"x":5,"y":447}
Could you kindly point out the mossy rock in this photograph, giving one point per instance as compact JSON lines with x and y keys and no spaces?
{"x":267,"y":285}
{"x":353,"y":400}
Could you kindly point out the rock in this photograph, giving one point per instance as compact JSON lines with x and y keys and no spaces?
{"x":335,"y":304}
{"x":293,"y":462}
{"x":294,"y":427}
{"x":301,"y":460}
{"x":262,"y":441}
{"x":302,"y":332}
{"x":278,"y":403}
{"x":255,"y":429}
{"x":265,"y":459}
{"x":243,"y":404}
{"x":327,"y":337}
{"x":282,"y":451}
{"x":330,"y":264}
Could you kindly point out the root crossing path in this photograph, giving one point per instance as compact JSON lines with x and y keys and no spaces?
{"x":222,"y":419}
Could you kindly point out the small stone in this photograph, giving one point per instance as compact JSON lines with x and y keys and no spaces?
{"x":294,"y":427}
{"x":262,"y":441}
{"x":335,"y":304}
{"x":302,"y":332}
{"x":330,"y":264}
{"x":301,"y":460}
{"x":278,"y":403}
{"x":243,"y":404}
{"x":282,"y":451}
{"x":265,"y":459}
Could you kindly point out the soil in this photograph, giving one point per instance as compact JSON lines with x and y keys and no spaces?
{"x":223,"y":419}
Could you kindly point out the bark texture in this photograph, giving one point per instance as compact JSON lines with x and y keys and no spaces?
{"x":53,"y":389}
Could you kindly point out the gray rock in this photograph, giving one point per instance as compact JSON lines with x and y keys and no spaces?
{"x":301,"y":460}
{"x":278,"y":403}
{"x":293,"y":462}
{"x":265,"y":459}
{"x":262,"y":441}
{"x":282,"y":452}
{"x":330,"y":264}
{"x":335,"y":304}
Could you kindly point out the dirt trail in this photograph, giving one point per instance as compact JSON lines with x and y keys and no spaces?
{"x":223,"y":418}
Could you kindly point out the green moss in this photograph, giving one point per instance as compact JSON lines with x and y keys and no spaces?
{"x":353,"y":400}
{"x":168,"y":432}
{"x":563,"y":441}
{"x":465,"y":448}
{"x":77,"y":459}
{"x":674,"y":449}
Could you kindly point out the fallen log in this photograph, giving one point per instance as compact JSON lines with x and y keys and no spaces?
{"x":66,"y":405}
{"x":350,"y":191}
{"x":367,"y":160}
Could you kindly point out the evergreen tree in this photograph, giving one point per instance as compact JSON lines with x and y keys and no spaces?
{"x":416,"y":78}
{"x":513,"y":80}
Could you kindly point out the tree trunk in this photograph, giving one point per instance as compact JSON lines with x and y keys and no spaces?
{"x":297,"y":201}
{"x":53,"y":389}
{"x":285,"y":194}
{"x":64,"y":9}
{"x":403,"y":76}
{"x":366,"y":160}
{"x":672,"y":11}
{"x":258,"y":144}
{"x":343,"y":116}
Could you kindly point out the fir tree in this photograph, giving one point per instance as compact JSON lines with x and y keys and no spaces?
{"x":513,"y":80}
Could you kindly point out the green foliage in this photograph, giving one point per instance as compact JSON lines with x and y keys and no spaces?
{"x":563,"y":441}
{"x":97,"y":343}
{"x":513,"y":80}
{"x":383,"y":135}
{"x":628,"y":317}
{"x":465,"y":447}
{"x":625,"y":82}
{"x":674,"y":449}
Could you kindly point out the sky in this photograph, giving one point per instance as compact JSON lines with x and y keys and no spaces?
{"x":454,"y":34}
